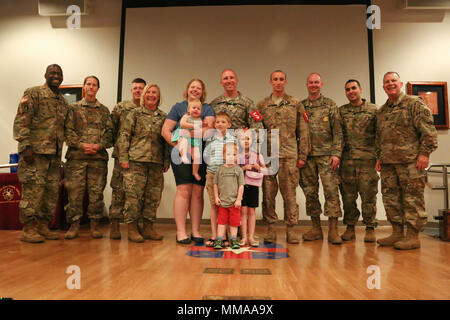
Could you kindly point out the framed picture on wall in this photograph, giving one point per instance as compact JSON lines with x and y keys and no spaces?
{"x":435,"y":96}
{"x":72,"y":93}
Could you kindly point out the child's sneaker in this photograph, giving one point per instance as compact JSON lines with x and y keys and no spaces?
{"x":235,"y":244}
{"x":218,"y":244}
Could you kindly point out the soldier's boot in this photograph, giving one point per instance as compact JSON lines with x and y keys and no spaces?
{"x":44,"y":230}
{"x":411,"y":241}
{"x":292,"y":236}
{"x":30,"y":234}
{"x":133,"y":233}
{"x":115,"y":230}
{"x":72,"y":233}
{"x":149,"y":232}
{"x":349,"y":233}
{"x":95,"y":231}
{"x":315,"y":233}
{"x":397,"y":235}
{"x":333,"y":235}
{"x":370,"y":235}
{"x":271,"y":235}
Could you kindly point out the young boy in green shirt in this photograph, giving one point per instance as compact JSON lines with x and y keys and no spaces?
{"x":228,"y":190}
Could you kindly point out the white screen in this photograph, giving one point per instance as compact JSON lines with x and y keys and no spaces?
{"x":171,"y":45}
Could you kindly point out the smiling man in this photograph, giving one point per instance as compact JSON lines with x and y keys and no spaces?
{"x":357,"y":168}
{"x":406,"y":137}
{"x":326,"y":148}
{"x":240,"y":108}
{"x":39,"y":130}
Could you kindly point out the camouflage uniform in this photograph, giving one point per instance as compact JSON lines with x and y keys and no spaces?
{"x":239,"y":109}
{"x":405,"y":130}
{"x":294,"y":144}
{"x":118,"y":194}
{"x":39,"y":124}
{"x":357,"y":167}
{"x":86,"y":123}
{"x":140,"y":143}
{"x":326,"y":141}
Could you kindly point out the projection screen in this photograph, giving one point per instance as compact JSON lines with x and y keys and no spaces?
{"x":171,"y":45}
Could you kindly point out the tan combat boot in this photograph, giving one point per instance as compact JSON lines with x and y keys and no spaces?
{"x":30,"y":234}
{"x":44,"y":231}
{"x":397,"y":235}
{"x":150,"y":233}
{"x":411,"y":241}
{"x":315,"y":233}
{"x":95,"y":232}
{"x":291,"y":235}
{"x":349,"y":233}
{"x":133,"y":233}
{"x":73,"y":231}
{"x":370,"y":235}
{"x":115,"y":230}
{"x":333,"y":235}
{"x":271,"y":235}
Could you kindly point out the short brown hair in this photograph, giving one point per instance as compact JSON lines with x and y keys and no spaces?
{"x":223,"y":114}
{"x":285,"y":76}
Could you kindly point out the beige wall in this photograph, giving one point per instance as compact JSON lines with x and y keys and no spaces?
{"x":414,"y":43}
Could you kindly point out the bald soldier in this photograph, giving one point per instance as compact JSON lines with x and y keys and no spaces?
{"x":326,"y":148}
{"x":118,"y":194}
{"x":357,"y":168}
{"x":39,"y":129}
{"x":286,"y":114}
{"x":239,"y":107}
{"x":406,"y":137}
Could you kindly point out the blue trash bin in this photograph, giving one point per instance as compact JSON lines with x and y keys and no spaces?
{"x":14,"y":158}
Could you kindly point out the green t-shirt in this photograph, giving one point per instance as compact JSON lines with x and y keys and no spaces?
{"x":228,"y":180}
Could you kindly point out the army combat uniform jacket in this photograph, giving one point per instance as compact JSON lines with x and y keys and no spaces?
{"x":117,"y":115}
{"x":140,"y":137}
{"x":290,"y":119}
{"x":39,"y":121}
{"x":325,"y":127}
{"x":359,"y":130}
{"x":88,"y":123}
{"x":240,"y":109}
{"x":405,"y":130}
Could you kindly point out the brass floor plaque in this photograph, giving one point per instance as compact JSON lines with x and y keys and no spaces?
{"x":256,"y":271}
{"x":219,"y":270}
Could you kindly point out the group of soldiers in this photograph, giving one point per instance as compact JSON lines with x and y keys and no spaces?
{"x":344,"y":146}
